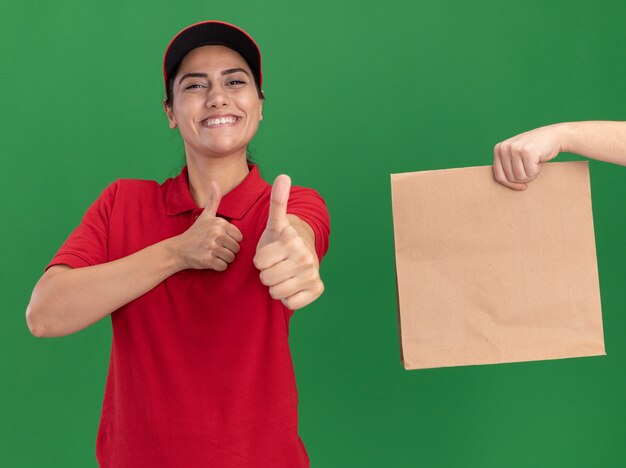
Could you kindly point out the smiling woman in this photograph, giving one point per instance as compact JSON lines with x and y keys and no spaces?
{"x":214,"y":90}
{"x":200,"y":275}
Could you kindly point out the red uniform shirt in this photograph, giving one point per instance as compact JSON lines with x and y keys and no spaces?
{"x":200,"y":372}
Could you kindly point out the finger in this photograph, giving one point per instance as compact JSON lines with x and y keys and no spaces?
{"x":277,"y":218}
{"x":499,"y":175}
{"x":228,"y":243}
{"x":517,"y":164}
{"x":531,"y":167}
{"x":505,"y":161}
{"x":224,"y":254}
{"x":214,"y":200}
{"x":288,"y":242}
{"x":218,"y":264}
{"x":286,"y":289}
{"x":299,"y":299}
{"x":270,"y":255}
{"x":505,"y":165}
{"x":281,"y":271}
{"x":234,"y":232}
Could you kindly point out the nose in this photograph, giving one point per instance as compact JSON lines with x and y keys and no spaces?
{"x":216,"y":97}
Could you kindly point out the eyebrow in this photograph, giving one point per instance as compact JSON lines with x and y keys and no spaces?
{"x":230,"y":71}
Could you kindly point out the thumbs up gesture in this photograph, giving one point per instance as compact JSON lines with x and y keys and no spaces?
{"x":211,"y":242}
{"x":286,"y":254}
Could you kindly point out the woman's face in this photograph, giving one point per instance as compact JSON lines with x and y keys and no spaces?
{"x":215,"y":102}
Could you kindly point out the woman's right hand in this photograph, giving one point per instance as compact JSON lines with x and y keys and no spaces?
{"x":66,"y":299}
{"x":211,"y":242}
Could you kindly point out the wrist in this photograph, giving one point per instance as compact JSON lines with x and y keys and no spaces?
{"x":565,"y":134}
{"x":171,"y":255}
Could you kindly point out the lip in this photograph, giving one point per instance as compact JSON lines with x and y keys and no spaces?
{"x":236,"y":120}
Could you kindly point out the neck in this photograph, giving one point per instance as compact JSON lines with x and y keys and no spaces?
{"x":228,"y":171}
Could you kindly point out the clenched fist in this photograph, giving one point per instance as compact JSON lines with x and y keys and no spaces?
{"x":286,"y":254}
{"x":518,"y":160}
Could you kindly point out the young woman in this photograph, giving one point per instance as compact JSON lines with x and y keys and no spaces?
{"x":200,"y":275}
{"x":518,"y":159}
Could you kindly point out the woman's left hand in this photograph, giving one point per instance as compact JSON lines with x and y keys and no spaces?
{"x":286,"y":254}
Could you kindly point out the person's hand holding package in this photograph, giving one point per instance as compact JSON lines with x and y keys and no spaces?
{"x":517,"y":160}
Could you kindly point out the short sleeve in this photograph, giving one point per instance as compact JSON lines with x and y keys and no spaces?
{"x":309,"y":206}
{"x":87,"y":244}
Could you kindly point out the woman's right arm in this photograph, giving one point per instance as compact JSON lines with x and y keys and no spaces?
{"x":66,"y":300}
{"x":517,"y":160}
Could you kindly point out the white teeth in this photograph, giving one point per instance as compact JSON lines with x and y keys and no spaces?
{"x":219,"y":121}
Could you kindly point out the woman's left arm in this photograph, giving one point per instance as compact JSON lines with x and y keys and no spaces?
{"x":286,"y":255}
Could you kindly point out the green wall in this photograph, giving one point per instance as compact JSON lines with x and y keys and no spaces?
{"x":355,"y":90}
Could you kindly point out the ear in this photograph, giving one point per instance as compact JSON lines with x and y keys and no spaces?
{"x":170,"y":114}
{"x":261,"y":110}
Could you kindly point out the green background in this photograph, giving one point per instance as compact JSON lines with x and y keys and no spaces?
{"x":355,"y":90}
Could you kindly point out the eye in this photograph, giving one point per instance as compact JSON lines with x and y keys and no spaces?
{"x":195,"y":86}
{"x":236,"y":82}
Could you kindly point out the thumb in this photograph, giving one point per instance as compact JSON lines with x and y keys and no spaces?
{"x":277,"y":219}
{"x":214,"y":200}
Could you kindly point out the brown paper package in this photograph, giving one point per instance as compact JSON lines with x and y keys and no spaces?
{"x":490,"y":275}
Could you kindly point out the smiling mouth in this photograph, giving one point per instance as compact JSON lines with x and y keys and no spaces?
{"x":220,"y":121}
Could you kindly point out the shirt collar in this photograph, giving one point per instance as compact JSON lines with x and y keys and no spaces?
{"x":233,"y":205}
